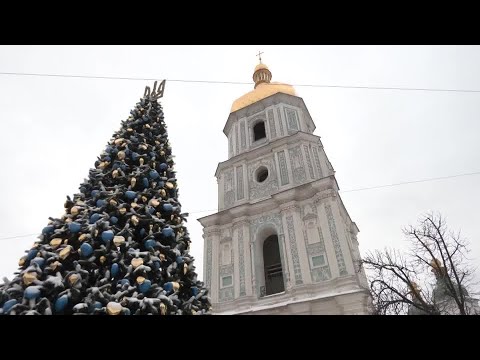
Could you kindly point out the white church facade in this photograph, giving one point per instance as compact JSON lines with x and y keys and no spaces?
{"x":282,"y":241}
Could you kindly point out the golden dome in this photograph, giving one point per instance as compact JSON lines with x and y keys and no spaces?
{"x":263,"y":88}
{"x":260,"y":66}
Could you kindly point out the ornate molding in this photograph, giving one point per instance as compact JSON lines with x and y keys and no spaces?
{"x":336,"y":242}
{"x":280,"y":122}
{"x":293,"y":250}
{"x":241,"y":262}
{"x":297,"y":165}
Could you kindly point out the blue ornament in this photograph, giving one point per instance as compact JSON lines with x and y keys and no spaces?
{"x":74,"y":227}
{"x":61,"y":303}
{"x":126,"y":311}
{"x":130,"y":194}
{"x":31,"y":292}
{"x":48,"y":229}
{"x":145,"y":286}
{"x":108,"y":149}
{"x":125,"y":281}
{"x":86,"y":249}
{"x":107,"y":235}
{"x":115,"y":165}
{"x":145,"y":182}
{"x":31,"y":254}
{"x":161,"y":184}
{"x":156,"y":265}
{"x":95,"y":193}
{"x":39,"y":261}
{"x":94,"y":218}
{"x":98,"y":305}
{"x":107,"y":158}
{"x":168,"y":287}
{"x":163,"y":166}
{"x":135,"y":156}
{"x":8,"y":305}
{"x":168,"y":208}
{"x":150,"y":209}
{"x":150,"y":244}
{"x":142,"y":232}
{"x":195,"y":291}
{"x":114,"y":270}
{"x":101,"y":202}
{"x":167,"y":232}
{"x":154,"y":174}
{"x":113,"y":220}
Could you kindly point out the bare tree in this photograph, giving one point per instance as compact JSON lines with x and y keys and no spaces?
{"x":437,"y":259}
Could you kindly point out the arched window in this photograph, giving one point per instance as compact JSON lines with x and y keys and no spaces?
{"x":259,"y":131}
{"x":273,"y":266}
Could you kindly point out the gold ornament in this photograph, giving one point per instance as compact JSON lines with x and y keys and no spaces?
{"x":162,"y":152}
{"x":118,"y":141}
{"x":103,"y":259}
{"x":22,"y":260}
{"x":141,"y":161}
{"x":82,"y":237}
{"x":65,"y":252}
{"x":29,"y":277}
{"x":134,"y":205}
{"x":142,"y":147}
{"x":74,"y":210}
{"x":113,"y":202}
{"x":54,"y":265}
{"x":133,"y":181}
{"x":118,"y":240}
{"x":121,"y":155}
{"x":185,"y":268}
{"x":169,"y":185}
{"x":154,"y":202}
{"x":136,"y":262}
{"x":134,"y":220}
{"x":162,"y":257}
{"x":129,"y":129}
{"x":163,"y":193}
{"x":123,"y":211}
{"x":140,"y":279}
{"x":114,"y":173}
{"x":55,"y":242}
{"x":163,"y":308}
{"x":73,"y":279}
{"x":176,"y":286}
{"x":114,"y":308}
{"x":147,"y":126}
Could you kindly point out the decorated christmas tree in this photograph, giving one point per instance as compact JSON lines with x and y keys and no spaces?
{"x":121,"y":247}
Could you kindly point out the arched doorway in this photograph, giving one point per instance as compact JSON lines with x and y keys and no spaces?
{"x":272,"y":266}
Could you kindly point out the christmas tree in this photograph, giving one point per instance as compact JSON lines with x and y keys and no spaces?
{"x":121,"y":247}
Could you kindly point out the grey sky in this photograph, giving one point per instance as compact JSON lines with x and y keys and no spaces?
{"x":54,"y":128}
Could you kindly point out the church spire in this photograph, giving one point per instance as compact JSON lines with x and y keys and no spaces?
{"x":261,"y":73}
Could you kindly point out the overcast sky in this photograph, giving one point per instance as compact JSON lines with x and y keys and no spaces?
{"x":54,"y":128}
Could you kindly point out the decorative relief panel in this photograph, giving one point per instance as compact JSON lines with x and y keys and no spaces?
{"x":292,"y":122}
{"x":241,"y":261}
{"x":335,"y":240}
{"x":240,"y":192}
{"x":309,"y":162}
{"x":228,"y":188}
{"x":271,"y":123}
{"x":282,"y":163}
{"x":243,"y":137}
{"x":237,"y":142}
{"x":208,"y":274}
{"x":270,"y":185}
{"x":274,"y":219}
{"x":280,"y":122}
{"x":293,"y":250}
{"x":317,"y":162}
{"x":298,"y":168}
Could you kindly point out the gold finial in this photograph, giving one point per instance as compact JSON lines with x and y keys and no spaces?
{"x":260,"y":56}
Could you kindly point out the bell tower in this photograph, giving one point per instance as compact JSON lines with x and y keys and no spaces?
{"x":282,"y":241}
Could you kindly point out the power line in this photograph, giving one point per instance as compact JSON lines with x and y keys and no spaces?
{"x":236,"y":82}
{"x":344,"y":191}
